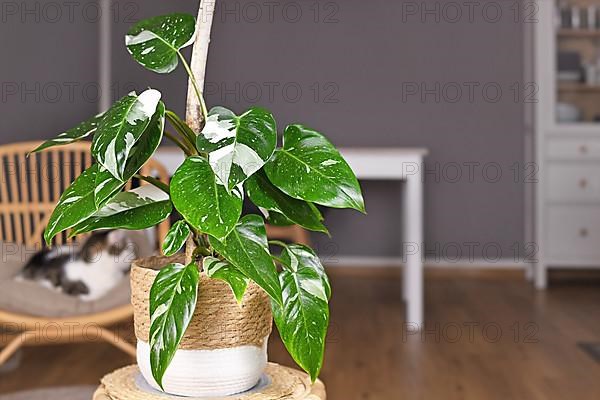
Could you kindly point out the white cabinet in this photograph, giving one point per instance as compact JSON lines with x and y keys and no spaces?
{"x":566,"y":197}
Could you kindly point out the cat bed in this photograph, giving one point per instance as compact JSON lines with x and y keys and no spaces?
{"x":58,"y":393}
{"x":31,"y":298}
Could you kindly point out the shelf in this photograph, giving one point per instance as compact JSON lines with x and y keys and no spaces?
{"x":577,"y":87}
{"x":579,"y":33}
{"x":583,"y":129}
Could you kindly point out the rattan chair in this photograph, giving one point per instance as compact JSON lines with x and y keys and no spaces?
{"x":29,"y":189}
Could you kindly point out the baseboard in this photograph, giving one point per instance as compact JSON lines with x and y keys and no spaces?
{"x":361,"y":261}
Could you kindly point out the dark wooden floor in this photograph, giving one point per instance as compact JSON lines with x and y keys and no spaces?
{"x":488,"y":336}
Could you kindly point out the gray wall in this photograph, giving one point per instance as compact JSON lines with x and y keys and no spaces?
{"x":356,"y":64}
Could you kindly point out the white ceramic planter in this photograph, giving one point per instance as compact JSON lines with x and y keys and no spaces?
{"x":224,"y":349}
{"x":208,"y":373}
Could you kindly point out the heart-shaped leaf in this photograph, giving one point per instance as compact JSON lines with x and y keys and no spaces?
{"x":81,"y":131}
{"x":75,"y":205}
{"x":303,"y":319}
{"x":247,"y":249}
{"x":237,"y":147}
{"x":266,"y":196}
{"x":107,"y":186}
{"x":121,"y":128}
{"x":309,"y":167}
{"x":225,"y":271}
{"x":176,"y":238}
{"x":155,"y":42}
{"x":172,"y":303}
{"x":202,"y":200}
{"x":139,"y":208}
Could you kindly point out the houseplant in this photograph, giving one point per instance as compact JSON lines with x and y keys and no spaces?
{"x":228,"y":157}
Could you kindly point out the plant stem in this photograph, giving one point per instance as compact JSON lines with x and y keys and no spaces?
{"x":182,"y":128}
{"x":195,"y":84}
{"x":153,"y":181}
{"x":179,"y":144}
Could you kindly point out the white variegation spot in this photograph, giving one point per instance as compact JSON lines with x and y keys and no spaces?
{"x":212,"y":265}
{"x":192,"y":38}
{"x":71,"y":199}
{"x":148,"y":50}
{"x":137,"y":197}
{"x":216,"y":130}
{"x":110,"y":158}
{"x":101,"y":185}
{"x":145,"y":106}
{"x":327,"y":163}
{"x":293,"y":261}
{"x":220,"y":161}
{"x":160,"y":310}
{"x":264,"y":212}
{"x":142,"y":37}
{"x":248,"y":159}
{"x":238,"y":191}
{"x":150,"y":192}
{"x":314,"y":287}
{"x":237,"y":147}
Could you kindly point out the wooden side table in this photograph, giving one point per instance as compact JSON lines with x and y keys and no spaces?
{"x":279,"y":383}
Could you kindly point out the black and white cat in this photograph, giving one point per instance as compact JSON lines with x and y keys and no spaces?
{"x":89,"y":272}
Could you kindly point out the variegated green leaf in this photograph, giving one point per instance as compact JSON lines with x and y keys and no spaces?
{"x":237,"y":147}
{"x":155,"y":42}
{"x":303,"y":319}
{"x":225,"y":271}
{"x":139,"y":208}
{"x":275,"y":218}
{"x":81,"y":131}
{"x":247,"y":249}
{"x":295,"y":256}
{"x":309,"y":167}
{"x":173,"y":299}
{"x":176,"y":238}
{"x":121,"y":129}
{"x":75,"y":205}
{"x":202,"y":200}
{"x":266,"y":196}
{"x":107,"y":186}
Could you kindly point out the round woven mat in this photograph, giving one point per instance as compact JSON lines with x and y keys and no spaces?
{"x":278,"y":383}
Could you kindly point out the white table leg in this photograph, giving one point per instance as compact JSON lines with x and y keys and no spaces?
{"x":540,"y":275}
{"x":413,"y":247}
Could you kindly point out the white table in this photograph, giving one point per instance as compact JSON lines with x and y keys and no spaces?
{"x":406,"y":165}
{"x":402,"y":164}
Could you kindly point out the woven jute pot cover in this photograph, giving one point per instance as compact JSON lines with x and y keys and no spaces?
{"x":219,"y":321}
{"x":278,"y":383}
{"x":224,"y":348}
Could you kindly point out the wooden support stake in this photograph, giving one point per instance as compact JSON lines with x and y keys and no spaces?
{"x":198,"y":64}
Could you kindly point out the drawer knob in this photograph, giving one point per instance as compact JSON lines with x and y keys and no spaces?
{"x":583,"y":232}
{"x":583,"y":183}
{"x":583,"y":149}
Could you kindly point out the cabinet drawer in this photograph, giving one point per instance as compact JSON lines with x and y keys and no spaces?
{"x":573,"y":182}
{"x":573,"y":233}
{"x":573,"y":149}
